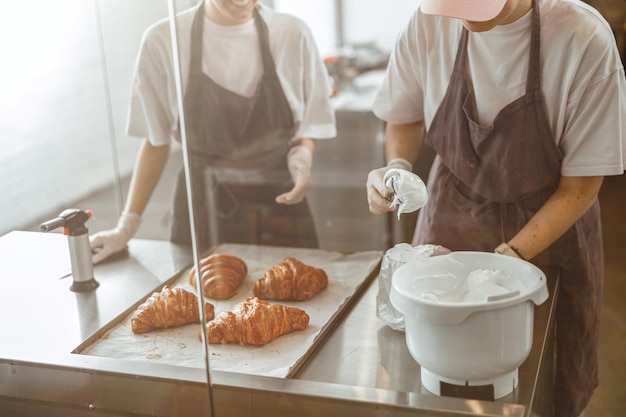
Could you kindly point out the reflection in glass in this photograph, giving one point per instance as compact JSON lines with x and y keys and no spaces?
{"x":250,"y":119}
{"x":246,"y":107}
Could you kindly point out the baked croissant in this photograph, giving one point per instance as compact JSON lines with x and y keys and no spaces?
{"x":221,"y":275}
{"x":292,"y":280}
{"x":255,"y":322}
{"x":168,"y":308}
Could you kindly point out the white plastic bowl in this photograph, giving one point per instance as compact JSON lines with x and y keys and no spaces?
{"x":469,"y":343}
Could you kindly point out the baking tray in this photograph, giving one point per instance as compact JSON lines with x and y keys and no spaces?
{"x":348,"y":274}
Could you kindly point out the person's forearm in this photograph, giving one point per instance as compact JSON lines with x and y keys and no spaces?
{"x":572,"y":199}
{"x":308,"y":142}
{"x":150,"y":165}
{"x":403,"y":141}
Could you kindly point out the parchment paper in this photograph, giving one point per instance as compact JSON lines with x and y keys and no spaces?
{"x":181,"y":346}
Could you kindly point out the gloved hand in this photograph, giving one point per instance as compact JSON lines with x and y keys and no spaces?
{"x":108,"y":242}
{"x":377,"y":191}
{"x":299,"y":162}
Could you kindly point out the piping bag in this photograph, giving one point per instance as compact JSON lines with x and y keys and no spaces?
{"x":408,"y":191}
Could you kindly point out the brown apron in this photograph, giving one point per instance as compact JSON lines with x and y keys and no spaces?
{"x":485,"y":185}
{"x":237,"y":157}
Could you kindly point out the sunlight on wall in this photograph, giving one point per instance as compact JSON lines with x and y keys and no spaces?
{"x":53,"y":121}
{"x":319,"y":15}
{"x":39,"y":41}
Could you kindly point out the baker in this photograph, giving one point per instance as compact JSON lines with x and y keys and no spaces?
{"x":256,"y":97}
{"x":524,"y":104}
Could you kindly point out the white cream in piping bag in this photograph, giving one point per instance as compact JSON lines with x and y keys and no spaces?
{"x":408,"y":190}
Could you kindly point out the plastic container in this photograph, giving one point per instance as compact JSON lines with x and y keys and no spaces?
{"x":394,"y":258}
{"x":469,"y":343}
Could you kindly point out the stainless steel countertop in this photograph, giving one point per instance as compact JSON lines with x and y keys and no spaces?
{"x":39,"y":314}
{"x":363,"y":366}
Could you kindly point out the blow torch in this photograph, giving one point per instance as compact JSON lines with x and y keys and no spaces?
{"x":73,"y":223}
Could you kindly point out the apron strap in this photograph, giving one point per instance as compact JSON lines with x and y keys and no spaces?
{"x":533,"y":80}
{"x":195,"y":61}
{"x":461,"y":52}
{"x":264,"y":42}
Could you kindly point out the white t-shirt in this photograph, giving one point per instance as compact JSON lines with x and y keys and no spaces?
{"x":582,"y":79}
{"x":232,"y":58}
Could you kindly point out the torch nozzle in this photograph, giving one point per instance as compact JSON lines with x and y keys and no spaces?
{"x":52,"y":224}
{"x":72,"y":220}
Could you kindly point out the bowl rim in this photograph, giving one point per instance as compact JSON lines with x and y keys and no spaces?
{"x":537,"y":292}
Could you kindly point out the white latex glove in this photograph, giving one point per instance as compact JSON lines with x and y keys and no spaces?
{"x":299,"y":162}
{"x":410,"y":193}
{"x":108,"y":242}
{"x":377,"y":192}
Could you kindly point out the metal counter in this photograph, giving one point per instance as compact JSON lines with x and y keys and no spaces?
{"x":362,"y":369}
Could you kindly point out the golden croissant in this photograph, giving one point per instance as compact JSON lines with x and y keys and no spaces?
{"x":168,"y":308}
{"x":292,"y":280}
{"x":255,"y":322}
{"x":221,"y":274}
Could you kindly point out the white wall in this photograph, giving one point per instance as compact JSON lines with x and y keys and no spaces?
{"x":319,"y":15}
{"x":54,"y":131}
{"x":363,"y":20}
{"x":375,"y":20}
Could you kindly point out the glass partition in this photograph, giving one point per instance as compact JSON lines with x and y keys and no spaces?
{"x":275,"y":159}
{"x":90,"y":81}
{"x":275,"y":171}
